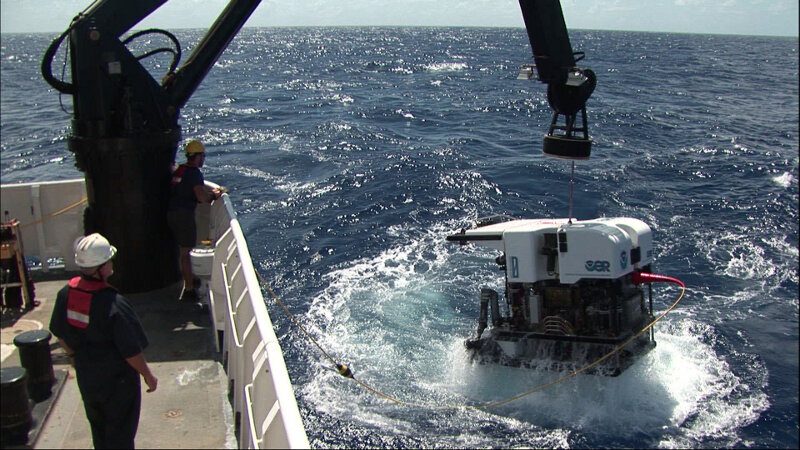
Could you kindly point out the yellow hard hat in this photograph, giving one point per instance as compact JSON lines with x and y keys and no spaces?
{"x":193,"y":147}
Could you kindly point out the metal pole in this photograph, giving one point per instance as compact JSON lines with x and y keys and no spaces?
{"x":571,"y":183}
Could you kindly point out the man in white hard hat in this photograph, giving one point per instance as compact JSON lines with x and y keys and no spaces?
{"x":188,"y":189}
{"x":100,"y":332}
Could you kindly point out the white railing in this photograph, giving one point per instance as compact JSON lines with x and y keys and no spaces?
{"x":262,"y":394}
{"x":50,"y":216}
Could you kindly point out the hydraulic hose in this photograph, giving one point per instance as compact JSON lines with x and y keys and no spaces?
{"x":645,"y":277}
{"x":176,"y":53}
{"x":47,"y":66}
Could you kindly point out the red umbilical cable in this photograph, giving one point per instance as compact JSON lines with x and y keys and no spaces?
{"x":645,"y":277}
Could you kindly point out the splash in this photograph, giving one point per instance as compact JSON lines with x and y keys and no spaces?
{"x":402,"y":316}
{"x":783,"y":180}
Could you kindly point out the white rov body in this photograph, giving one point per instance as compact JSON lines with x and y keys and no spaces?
{"x":555,"y":249}
{"x":569,"y":290}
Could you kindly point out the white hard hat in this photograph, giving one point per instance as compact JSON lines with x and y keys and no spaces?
{"x":93,"y":250}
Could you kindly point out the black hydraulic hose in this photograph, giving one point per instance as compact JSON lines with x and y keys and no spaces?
{"x":47,"y":66}
{"x":176,"y":54}
{"x":157,"y":51}
{"x":47,"y":59}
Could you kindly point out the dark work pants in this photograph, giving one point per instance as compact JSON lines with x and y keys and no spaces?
{"x":113,"y":410}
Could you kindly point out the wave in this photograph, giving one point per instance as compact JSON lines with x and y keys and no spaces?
{"x":783,"y":180}
{"x":400,"y":319}
{"x":445,"y":67}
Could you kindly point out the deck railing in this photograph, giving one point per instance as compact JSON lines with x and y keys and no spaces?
{"x":263,"y":397}
{"x":50,"y":216}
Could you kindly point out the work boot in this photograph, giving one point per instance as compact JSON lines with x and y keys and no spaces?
{"x":189,"y":296}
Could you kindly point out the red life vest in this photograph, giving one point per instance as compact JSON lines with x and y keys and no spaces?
{"x":177,"y":175}
{"x":79,"y":300}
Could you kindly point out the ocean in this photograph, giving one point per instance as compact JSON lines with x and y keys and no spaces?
{"x":351,"y":153}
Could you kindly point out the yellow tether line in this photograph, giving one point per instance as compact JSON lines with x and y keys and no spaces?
{"x":50,"y":216}
{"x":341,"y":368}
{"x":344,"y":371}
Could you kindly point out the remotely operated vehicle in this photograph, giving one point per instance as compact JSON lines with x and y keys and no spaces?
{"x":572,"y":292}
{"x":572,"y":287}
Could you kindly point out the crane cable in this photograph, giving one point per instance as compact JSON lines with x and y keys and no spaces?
{"x":345,"y":371}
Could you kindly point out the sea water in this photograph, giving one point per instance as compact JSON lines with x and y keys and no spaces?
{"x":351,"y":153}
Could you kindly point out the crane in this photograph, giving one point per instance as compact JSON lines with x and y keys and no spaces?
{"x":125,"y":129}
{"x":568,"y":86}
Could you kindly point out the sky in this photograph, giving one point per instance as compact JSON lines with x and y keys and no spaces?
{"x":748,"y":17}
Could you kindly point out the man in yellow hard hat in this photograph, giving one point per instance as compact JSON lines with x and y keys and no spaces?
{"x":188,"y":189}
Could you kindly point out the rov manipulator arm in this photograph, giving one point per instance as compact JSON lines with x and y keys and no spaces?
{"x":568,"y":86}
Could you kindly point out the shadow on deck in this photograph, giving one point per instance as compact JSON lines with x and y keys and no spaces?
{"x":190,"y":407}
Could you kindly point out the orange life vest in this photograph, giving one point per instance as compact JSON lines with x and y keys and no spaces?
{"x":177,"y":175}
{"x":79,"y":300}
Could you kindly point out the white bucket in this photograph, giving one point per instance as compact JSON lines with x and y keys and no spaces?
{"x":202,"y":261}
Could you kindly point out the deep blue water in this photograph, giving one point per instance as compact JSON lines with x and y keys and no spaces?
{"x":350,"y":154}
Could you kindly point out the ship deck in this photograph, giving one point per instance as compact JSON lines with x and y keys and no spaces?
{"x":190,"y":408}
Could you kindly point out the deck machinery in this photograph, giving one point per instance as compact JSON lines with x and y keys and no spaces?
{"x":571,"y":292}
{"x":125,"y":130}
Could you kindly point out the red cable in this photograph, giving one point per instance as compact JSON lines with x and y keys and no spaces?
{"x":645,"y":277}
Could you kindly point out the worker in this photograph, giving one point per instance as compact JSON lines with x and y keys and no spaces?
{"x":188,"y":189}
{"x":101,"y":333}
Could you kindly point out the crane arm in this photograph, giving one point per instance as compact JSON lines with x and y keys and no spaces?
{"x":547,"y":32}
{"x":568,"y":86}
{"x":185,"y":81}
{"x":110,"y":87}
{"x":125,"y":129}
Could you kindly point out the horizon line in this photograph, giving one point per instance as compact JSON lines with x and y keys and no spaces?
{"x":440,"y":26}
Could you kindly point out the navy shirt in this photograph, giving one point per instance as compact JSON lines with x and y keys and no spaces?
{"x":112,"y":335}
{"x":182,"y":194}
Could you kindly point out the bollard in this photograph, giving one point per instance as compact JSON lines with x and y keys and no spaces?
{"x":34,"y":355}
{"x":15,"y":413}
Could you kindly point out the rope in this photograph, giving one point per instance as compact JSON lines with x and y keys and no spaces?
{"x":341,"y":368}
{"x":347,"y":373}
{"x":50,"y":216}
